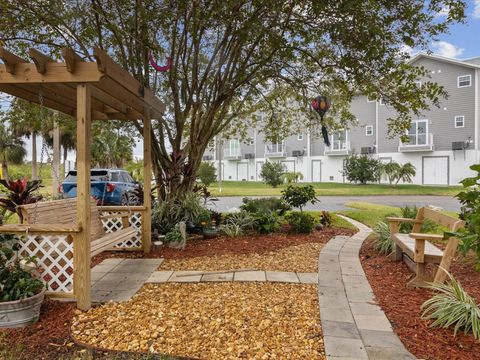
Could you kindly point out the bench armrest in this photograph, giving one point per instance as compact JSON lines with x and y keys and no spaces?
{"x":426,"y":236}
{"x":399,"y":219}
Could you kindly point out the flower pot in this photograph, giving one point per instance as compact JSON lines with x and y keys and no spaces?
{"x":20,"y":313}
{"x":209,"y":233}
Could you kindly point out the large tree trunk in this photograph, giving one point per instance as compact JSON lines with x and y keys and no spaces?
{"x":34,"y":156}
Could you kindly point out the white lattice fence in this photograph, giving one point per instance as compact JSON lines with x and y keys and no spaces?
{"x":54,"y":256}
{"x":113,"y":224}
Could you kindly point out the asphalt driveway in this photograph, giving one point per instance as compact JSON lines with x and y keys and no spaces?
{"x":333,"y":203}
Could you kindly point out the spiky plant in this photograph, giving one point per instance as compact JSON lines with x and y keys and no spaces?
{"x":452,"y":306}
{"x":383,"y":243}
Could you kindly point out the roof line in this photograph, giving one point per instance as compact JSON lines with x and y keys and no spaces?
{"x":444,"y":59}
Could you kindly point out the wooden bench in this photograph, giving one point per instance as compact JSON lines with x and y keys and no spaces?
{"x":417,"y":247}
{"x":65,"y":212}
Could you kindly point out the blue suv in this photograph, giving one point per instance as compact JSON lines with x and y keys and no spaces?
{"x":109,"y":187}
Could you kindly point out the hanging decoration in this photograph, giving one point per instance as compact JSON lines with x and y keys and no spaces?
{"x":159,"y":68}
{"x":321,"y":104}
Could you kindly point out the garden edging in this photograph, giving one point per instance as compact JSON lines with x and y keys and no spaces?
{"x":354,"y":326}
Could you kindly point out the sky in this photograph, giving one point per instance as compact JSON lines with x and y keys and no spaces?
{"x":461,"y":42}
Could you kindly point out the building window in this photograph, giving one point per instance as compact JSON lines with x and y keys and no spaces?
{"x":418,"y":133}
{"x":464,"y":81}
{"x":369,"y":130}
{"x":300,"y":137}
{"x":459,"y":121}
{"x":339,"y":140}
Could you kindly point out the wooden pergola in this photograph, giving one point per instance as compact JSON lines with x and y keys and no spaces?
{"x":100,"y":90}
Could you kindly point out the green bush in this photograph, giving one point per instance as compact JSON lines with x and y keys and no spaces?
{"x":265,"y":204}
{"x":292,"y":177}
{"x":299,"y":196}
{"x":230,"y":230}
{"x":207,"y":173}
{"x":272,"y":173}
{"x":300,"y":223}
{"x":361,"y":169}
{"x":452,"y":306}
{"x":173,"y":236}
{"x":326,"y":219}
{"x":266,"y":222}
{"x":410,"y":212}
{"x":384,"y":243}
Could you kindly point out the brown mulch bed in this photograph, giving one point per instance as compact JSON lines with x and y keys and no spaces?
{"x":255,"y":243}
{"x":402,"y":306}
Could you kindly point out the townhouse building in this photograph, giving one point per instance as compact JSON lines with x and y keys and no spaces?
{"x":443,"y":142}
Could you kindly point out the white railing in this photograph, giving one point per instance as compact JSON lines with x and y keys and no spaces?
{"x":418,"y":142}
{"x":338,"y":147}
{"x":232,"y":153}
{"x":275,"y":150}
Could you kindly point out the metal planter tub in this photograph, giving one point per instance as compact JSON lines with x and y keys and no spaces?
{"x":20,"y":313}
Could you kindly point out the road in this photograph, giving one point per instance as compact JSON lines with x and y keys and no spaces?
{"x":333,"y":203}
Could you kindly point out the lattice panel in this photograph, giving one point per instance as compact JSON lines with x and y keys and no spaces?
{"x":113,"y":224}
{"x":54,"y":256}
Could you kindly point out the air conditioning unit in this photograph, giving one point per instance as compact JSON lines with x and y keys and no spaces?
{"x":298,"y":153}
{"x":367,"y":150}
{"x":458,"y":145}
{"x":207,"y":157}
{"x":249,"y":156}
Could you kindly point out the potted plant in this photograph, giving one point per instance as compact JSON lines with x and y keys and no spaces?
{"x":21,"y":293}
{"x":208,"y":226}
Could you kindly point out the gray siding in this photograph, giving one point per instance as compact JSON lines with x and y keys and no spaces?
{"x":364,"y":111}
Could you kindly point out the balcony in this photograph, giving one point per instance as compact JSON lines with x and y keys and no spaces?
{"x":275,"y":151}
{"x":232,"y":154}
{"x":418,"y":142}
{"x":338,"y":148}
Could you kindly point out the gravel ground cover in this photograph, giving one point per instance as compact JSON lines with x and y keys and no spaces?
{"x":210,"y":321}
{"x":300,"y":258}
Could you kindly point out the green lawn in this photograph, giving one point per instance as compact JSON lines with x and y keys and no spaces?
{"x":250,"y":188}
{"x":369,"y":214}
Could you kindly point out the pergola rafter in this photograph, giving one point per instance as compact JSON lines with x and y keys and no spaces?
{"x":87,"y":91}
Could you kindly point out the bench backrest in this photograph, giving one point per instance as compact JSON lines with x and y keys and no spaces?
{"x":451,"y":223}
{"x":62,"y":211}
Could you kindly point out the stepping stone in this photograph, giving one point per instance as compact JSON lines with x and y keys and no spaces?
{"x":216,"y":277}
{"x":250,"y":276}
{"x":159,"y":277}
{"x":186,"y":276}
{"x":308,"y":278}
{"x":280,"y":276}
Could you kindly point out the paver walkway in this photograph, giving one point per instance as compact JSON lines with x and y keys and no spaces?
{"x":223,"y":276}
{"x":354,"y":327}
{"x":119,"y":279}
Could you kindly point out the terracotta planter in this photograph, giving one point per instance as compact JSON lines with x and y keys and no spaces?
{"x":20,"y":313}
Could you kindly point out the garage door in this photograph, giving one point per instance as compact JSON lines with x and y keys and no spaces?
{"x":242,"y":171}
{"x":316,"y":170}
{"x":258,"y":167}
{"x":435,"y":170}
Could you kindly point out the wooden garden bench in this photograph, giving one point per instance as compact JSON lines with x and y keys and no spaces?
{"x":417,"y":247}
{"x":65,"y":212}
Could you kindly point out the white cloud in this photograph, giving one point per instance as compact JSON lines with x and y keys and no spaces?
{"x":444,"y":12}
{"x":476,"y":9}
{"x":408,"y":50}
{"x":447,"y":49}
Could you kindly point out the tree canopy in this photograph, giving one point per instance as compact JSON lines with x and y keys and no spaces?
{"x":235,"y":59}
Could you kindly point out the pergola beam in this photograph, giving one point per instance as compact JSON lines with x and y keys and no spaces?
{"x":40,"y":60}
{"x":10,"y":60}
{"x":71,"y":58}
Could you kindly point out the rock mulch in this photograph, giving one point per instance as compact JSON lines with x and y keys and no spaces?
{"x":210,"y":321}
{"x":298,"y":258}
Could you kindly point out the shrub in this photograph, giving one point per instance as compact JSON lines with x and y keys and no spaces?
{"x":15,"y":282}
{"x":217,"y":216}
{"x":301,"y":223}
{"x":205,"y":194}
{"x":410,"y":212}
{"x":361,"y":169}
{"x":20,"y":192}
{"x":299,"y":196}
{"x":452,"y":306}
{"x":383,"y":243}
{"x":207,"y":173}
{"x":265,"y":204}
{"x":272,"y":173}
{"x":292,"y":177}
{"x":266,"y":222}
{"x":173,"y":236}
{"x":230,"y":230}
{"x":326,"y":219}
{"x":204,"y":219}
{"x":242,"y":218}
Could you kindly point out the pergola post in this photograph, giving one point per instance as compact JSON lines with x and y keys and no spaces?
{"x":81,"y":252}
{"x":147,"y":180}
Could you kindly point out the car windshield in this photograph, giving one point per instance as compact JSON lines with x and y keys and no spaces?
{"x":96,"y":175}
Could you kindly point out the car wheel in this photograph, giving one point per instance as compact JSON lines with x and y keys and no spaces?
{"x":125,"y":201}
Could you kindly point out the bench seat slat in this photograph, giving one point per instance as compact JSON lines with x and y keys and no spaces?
{"x":111,"y":239}
{"x":407,"y":244}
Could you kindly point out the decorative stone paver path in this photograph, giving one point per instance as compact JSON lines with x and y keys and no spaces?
{"x":354,"y":326}
{"x":119,"y":279}
{"x":226,"y":276}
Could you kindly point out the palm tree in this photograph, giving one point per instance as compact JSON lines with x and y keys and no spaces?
{"x":11,"y":149}
{"x":391,"y":170}
{"x":111,"y":147}
{"x":406,"y":172}
{"x":25,"y":119}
